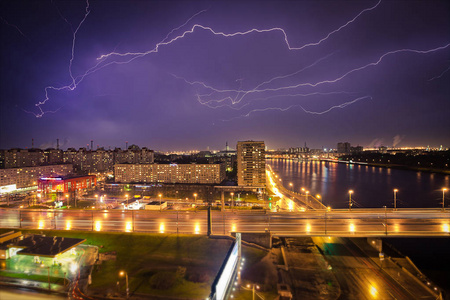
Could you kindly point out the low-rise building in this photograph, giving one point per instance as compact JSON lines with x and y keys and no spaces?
{"x":66,"y":184}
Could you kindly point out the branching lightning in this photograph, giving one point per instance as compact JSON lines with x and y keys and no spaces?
{"x":15,"y":27}
{"x":343,"y":105}
{"x":439,"y":76}
{"x":233,"y":98}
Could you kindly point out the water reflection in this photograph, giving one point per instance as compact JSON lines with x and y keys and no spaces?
{"x":372,"y":185}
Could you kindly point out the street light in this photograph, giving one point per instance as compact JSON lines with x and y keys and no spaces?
{"x":290,"y":184}
{"x":443,"y":198}
{"x":395,"y":199}
{"x":126,"y":280}
{"x":195,"y":200}
{"x":126,"y":196}
{"x":253,"y":286}
{"x":232,"y":199}
{"x":160,"y":208}
{"x":319,"y":197}
{"x":350,"y":192}
{"x":306,"y":196}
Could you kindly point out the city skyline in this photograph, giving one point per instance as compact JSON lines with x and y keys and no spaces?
{"x":195,"y":74}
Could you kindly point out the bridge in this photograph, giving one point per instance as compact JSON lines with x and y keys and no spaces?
{"x":373,"y":222}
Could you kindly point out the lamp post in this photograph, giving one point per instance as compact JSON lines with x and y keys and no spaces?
{"x":327,"y":210}
{"x":306,"y":196}
{"x":290,"y":184}
{"x":253,"y":286}
{"x":195,"y":201}
{"x":319,"y":197}
{"x":126,"y":197}
{"x":160,"y":208}
{"x":350,"y":192}
{"x":443,"y":198}
{"x":232,"y":199}
{"x":67,"y":199}
{"x":395,"y":199}
{"x":126,"y":280}
{"x":385,"y":220}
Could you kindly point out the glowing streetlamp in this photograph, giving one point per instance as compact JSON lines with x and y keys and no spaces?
{"x":253,"y":286}
{"x":395,"y":199}
{"x":126,"y":280}
{"x":350,"y":192}
{"x":443,"y":198}
{"x":290,"y":184}
{"x":306,"y":196}
{"x":319,"y":197}
{"x":126,"y":197}
{"x":195,"y":197}
{"x":232,"y":199}
{"x":160,"y":208}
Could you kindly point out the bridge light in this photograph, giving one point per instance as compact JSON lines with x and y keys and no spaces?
{"x":98,"y":225}
{"x":308,"y":227}
{"x":128,"y":227}
{"x":373,"y":291}
{"x":351,"y":227}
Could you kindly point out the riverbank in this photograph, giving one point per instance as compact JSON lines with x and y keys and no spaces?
{"x":390,"y":166}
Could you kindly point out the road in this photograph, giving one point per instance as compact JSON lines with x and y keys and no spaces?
{"x":360,"y":277}
{"x":361,"y":222}
{"x":24,"y":294}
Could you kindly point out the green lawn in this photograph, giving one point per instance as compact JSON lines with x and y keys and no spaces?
{"x":157,"y":264}
{"x":41,"y":278}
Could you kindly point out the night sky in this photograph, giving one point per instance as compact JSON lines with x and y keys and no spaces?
{"x":313,"y":71}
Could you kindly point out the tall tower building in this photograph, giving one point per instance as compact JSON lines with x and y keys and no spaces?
{"x":251,"y":163}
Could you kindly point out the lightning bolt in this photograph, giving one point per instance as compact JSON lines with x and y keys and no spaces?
{"x":338,"y":29}
{"x":108,"y":59}
{"x":375,"y":63}
{"x":439,"y":76}
{"x":340,"y":106}
{"x":15,"y":27}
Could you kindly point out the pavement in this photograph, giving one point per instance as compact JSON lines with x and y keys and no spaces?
{"x":306,"y":271}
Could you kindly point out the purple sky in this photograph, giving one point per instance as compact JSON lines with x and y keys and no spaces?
{"x":205,"y":88}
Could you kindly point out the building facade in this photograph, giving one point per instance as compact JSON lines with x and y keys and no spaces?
{"x":170,"y":173}
{"x":83,"y":160}
{"x":251,"y":163}
{"x":66,"y":184}
{"x":29,"y":176}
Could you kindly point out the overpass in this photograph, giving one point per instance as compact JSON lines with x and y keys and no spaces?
{"x":337,"y":222}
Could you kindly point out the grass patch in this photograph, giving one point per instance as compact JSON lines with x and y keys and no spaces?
{"x":146,"y":256}
{"x":41,"y":278}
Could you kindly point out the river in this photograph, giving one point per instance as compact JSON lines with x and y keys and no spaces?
{"x":372,"y":186}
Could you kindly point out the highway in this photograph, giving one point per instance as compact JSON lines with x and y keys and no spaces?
{"x":361,"y":277}
{"x":343,"y":223}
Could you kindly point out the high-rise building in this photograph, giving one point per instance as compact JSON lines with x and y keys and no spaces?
{"x":251,"y":163}
{"x":343,"y":147}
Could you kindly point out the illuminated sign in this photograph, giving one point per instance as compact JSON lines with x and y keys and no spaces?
{"x":50,"y":178}
{"x":227,"y":273}
{"x":173,"y":165}
{"x":8,"y":188}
